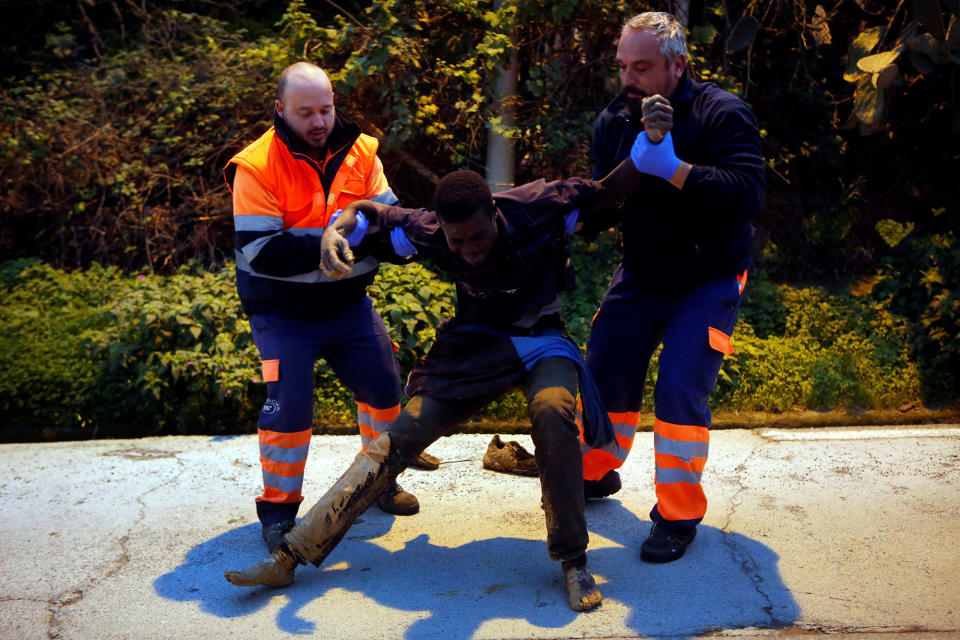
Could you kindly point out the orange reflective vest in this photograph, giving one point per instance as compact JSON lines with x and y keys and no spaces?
{"x":283,"y":200}
{"x":295,"y":178}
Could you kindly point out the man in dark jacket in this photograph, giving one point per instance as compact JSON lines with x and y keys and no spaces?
{"x":686,"y":254}
{"x":507,"y":254}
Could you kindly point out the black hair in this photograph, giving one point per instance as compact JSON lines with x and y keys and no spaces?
{"x":460,"y":195}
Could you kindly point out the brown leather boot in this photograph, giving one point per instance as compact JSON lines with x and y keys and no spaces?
{"x":396,"y":501}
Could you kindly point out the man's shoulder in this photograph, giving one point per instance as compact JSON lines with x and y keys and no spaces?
{"x":708,"y":96}
{"x":258,"y":151}
{"x":255,"y":157}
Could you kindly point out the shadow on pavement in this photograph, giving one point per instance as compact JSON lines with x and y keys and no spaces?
{"x":725,"y":581}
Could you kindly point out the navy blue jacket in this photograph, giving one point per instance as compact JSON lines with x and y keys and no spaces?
{"x":674,"y":240}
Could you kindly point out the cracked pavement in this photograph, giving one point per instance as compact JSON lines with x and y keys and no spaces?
{"x":851,"y":533}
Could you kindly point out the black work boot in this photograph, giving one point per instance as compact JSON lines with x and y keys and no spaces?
{"x":273,"y":534}
{"x":398,"y":502}
{"x":608,"y":485}
{"x":664,"y":545}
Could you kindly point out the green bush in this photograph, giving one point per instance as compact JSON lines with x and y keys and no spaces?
{"x":178,"y":357}
{"x":834,"y":352}
{"x":46,"y":367}
{"x":100,"y":352}
{"x":921,"y":282}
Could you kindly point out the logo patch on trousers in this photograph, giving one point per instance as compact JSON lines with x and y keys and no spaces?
{"x":271,"y":406}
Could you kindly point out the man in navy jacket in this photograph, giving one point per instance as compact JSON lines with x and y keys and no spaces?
{"x":687,"y":244}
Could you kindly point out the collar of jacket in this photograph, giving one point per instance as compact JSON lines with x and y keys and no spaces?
{"x":345,"y":133}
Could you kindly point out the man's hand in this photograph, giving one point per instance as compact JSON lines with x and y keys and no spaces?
{"x":656,"y":159}
{"x":657,"y":117}
{"x":336,"y":258}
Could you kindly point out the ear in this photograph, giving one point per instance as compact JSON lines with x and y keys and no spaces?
{"x":679,"y":66}
{"x":279,"y":107}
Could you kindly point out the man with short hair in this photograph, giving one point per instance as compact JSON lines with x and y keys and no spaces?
{"x":287,"y":186}
{"x":508,"y":255}
{"x":686,"y":251}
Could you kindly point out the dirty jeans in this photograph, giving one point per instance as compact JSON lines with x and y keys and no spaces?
{"x":551,"y":390}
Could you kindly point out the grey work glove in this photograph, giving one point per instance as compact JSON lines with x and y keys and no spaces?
{"x":657,"y":117}
{"x":336,"y":258}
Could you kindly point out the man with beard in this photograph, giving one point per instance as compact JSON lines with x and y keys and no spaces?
{"x":684,"y":266}
{"x":287,"y":187}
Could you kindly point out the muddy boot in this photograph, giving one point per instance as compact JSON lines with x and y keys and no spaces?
{"x":267,"y":574}
{"x":324,"y":525}
{"x":426,"y":461}
{"x":278,"y":573}
{"x":509,"y":457}
{"x":398,"y":502}
{"x":582,"y":591}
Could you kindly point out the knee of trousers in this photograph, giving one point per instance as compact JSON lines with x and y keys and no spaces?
{"x":683,"y":397}
{"x":553,"y":411}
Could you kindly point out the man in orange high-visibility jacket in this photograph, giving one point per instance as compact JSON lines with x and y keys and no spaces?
{"x":287,"y":185}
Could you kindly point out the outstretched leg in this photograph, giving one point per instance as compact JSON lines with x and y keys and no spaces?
{"x":324,"y":525}
{"x":420,"y":423}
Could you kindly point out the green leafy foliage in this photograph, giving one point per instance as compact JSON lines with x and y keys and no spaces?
{"x":46,"y":369}
{"x":832,"y":352}
{"x":412,"y":302}
{"x":178,"y":357}
{"x":120,"y":161}
{"x":921,"y":283}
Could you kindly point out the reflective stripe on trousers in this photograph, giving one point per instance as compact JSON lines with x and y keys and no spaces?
{"x":681,"y":454}
{"x":283,"y":457}
{"x":373,"y":421}
{"x":597,"y":462}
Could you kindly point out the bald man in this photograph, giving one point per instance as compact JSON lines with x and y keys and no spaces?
{"x":287,"y":187}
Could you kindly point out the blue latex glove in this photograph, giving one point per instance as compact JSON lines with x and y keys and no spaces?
{"x":401,"y":243}
{"x":656,"y":159}
{"x":356,"y":236}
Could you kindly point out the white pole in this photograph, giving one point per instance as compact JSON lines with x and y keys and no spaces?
{"x":501,"y":158}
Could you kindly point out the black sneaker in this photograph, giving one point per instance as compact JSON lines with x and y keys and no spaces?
{"x":608,"y":485}
{"x":398,"y":502}
{"x":663,"y":545}
{"x":273,"y":534}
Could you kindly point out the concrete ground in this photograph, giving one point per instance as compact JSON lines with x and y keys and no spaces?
{"x":848,"y":532}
